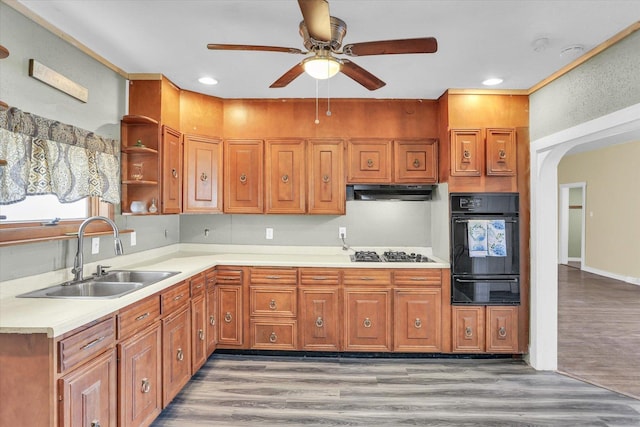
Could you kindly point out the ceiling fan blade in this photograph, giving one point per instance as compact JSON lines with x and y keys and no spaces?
{"x":390,"y":47}
{"x":215,"y":46}
{"x":316,"y":18}
{"x":289,"y":76}
{"x":361,"y":75}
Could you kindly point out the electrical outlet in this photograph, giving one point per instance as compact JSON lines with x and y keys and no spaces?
{"x":95,"y":245}
{"x":342,"y":232}
{"x":133,"y":238}
{"x":269,"y":234}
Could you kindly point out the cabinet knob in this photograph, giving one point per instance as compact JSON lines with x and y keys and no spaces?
{"x":502,"y":154}
{"x":174,"y":173}
{"x":325,"y":179}
{"x":273,"y":337}
{"x":146,"y":385}
{"x":201,"y":334}
{"x":285,"y":178}
{"x":95,"y":423}
{"x":367,"y":323}
{"x":416,"y":163}
{"x":272,"y":304}
{"x":468,"y":332}
{"x":502,"y":332}
{"x":212,"y":320}
{"x":466,"y":154}
{"x":227,"y":317}
{"x":418,"y":323}
{"x":319,"y":322}
{"x":243,"y":178}
{"x":204,"y":177}
{"x":179,"y":355}
{"x":369,"y":163}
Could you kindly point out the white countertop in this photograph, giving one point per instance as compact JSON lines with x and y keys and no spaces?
{"x":55,"y":317}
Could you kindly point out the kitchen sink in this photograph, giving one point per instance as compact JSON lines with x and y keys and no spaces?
{"x":112,"y":284}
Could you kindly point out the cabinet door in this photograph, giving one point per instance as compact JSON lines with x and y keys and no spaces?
{"x":369,"y":161}
{"x":230,"y":315}
{"x":319,"y":318}
{"x":326,"y":177}
{"x":501,"y":152}
{"x":202,"y":174}
{"x":198,"y":333}
{"x":416,"y":161}
{"x":243,"y":175}
{"x":368,"y":321}
{"x":285,"y":176}
{"x":502,"y":329}
{"x":468,"y":329}
{"x":171,"y":171}
{"x":211,"y":332}
{"x":466,"y":152}
{"x":140,"y":377}
{"x":418,"y":325}
{"x":89,"y":394}
{"x":176,"y":353}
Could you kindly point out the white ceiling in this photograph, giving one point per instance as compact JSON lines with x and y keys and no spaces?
{"x":476,"y":40}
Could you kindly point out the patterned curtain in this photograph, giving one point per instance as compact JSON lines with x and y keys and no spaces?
{"x":48,"y":157}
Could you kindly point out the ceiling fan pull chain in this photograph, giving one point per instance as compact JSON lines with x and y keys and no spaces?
{"x":317,"y":119}
{"x":328,"y":98}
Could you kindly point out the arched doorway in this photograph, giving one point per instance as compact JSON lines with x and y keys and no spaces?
{"x":618,"y":127}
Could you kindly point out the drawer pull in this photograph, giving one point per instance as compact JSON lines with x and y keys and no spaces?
{"x":502,"y":332}
{"x":243,"y":178}
{"x":273,"y":337}
{"x":227,"y":317}
{"x":325,"y":179}
{"x":273,"y":277}
{"x":272,"y":304}
{"x":416,"y":163}
{"x":180,"y":355}
{"x":367,"y":278}
{"x":146,"y":385}
{"x":369,"y":163}
{"x":416,"y":279}
{"x":367,"y":323}
{"x":418,"y":323}
{"x":319,"y":322}
{"x":142,"y":316}
{"x":319,"y":278}
{"x":468,"y":332}
{"x":92,"y":343}
{"x":201,"y":334}
{"x":212,"y":320}
{"x":285,"y":178}
{"x":178,"y":297}
{"x":95,"y":423}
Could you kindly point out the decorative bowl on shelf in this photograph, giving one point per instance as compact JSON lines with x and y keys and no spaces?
{"x":138,"y":206}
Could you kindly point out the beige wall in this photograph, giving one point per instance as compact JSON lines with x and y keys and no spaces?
{"x":612,"y":205}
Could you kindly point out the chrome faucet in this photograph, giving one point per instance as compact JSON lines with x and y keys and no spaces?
{"x":78,"y":262}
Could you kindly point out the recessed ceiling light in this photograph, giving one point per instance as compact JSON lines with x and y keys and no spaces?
{"x":208,"y":81}
{"x":492,"y":82}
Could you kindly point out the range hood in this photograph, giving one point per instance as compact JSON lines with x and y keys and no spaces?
{"x":389,"y":192}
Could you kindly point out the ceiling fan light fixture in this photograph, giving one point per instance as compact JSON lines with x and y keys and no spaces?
{"x":322,"y":66}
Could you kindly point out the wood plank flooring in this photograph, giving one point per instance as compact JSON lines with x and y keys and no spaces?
{"x":599,"y":330}
{"x":233,"y":390}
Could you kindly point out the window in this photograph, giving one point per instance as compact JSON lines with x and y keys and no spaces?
{"x":44,"y":208}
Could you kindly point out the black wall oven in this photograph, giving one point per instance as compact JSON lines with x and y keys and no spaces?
{"x":485,"y":258}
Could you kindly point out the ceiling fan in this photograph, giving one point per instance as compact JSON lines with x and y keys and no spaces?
{"x":322,"y":37}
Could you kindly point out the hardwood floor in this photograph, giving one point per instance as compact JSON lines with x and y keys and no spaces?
{"x":233,"y":390}
{"x":599,"y":330}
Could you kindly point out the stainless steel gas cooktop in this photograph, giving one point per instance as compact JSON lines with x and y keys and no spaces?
{"x":389,"y":256}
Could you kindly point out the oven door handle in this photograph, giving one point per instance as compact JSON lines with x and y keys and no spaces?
{"x":460,"y":221}
{"x":485,"y":280}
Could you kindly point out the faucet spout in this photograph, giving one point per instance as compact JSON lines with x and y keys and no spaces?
{"x":78,"y":262}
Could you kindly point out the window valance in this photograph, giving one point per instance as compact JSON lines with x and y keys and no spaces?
{"x":49,"y":157}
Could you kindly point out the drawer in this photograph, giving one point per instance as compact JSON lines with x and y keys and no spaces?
{"x":276,"y":276}
{"x":175,"y":298}
{"x":424,"y":277}
{"x":80,"y":347}
{"x":319,"y":276}
{"x":271,"y":334}
{"x":210,"y":278}
{"x":273,"y":301}
{"x":366,"y":277}
{"x":138,"y":316}
{"x":197,"y":283}
{"x":233,"y":277}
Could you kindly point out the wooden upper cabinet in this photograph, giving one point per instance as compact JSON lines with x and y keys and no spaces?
{"x":466,"y":152}
{"x":416,"y":162}
{"x":202,"y":174}
{"x":501,"y":152}
{"x":326,"y":177}
{"x":243,"y":175}
{"x":285,"y":174}
{"x":369,"y":161}
{"x":171,"y":171}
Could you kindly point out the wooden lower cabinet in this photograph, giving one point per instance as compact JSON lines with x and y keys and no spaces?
{"x":274,"y":334}
{"x":140,"y":377}
{"x":88,"y":395}
{"x":367,"y":323}
{"x":198,"y":333}
{"x":479,"y":329}
{"x":230,"y":316}
{"x":418,"y":320}
{"x":319,"y":318}
{"x":176,"y":353}
{"x":211,"y":319}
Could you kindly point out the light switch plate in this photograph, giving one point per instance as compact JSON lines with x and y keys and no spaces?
{"x":133,"y":238}
{"x":95,"y":245}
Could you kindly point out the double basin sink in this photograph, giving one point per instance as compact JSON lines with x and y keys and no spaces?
{"x":112,"y":284}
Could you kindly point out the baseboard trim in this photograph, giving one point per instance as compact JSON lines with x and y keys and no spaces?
{"x":627,"y":279}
